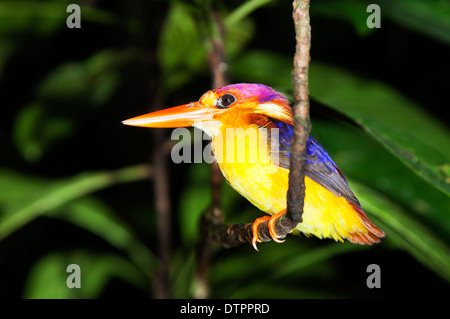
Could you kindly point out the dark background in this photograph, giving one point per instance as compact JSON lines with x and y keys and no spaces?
{"x":65,"y":92}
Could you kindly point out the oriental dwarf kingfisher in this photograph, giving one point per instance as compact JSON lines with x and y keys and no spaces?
{"x":331,"y":210}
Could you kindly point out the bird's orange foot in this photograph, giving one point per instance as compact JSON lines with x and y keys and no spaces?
{"x":272,"y":219}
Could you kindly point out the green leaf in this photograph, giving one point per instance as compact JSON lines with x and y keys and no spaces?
{"x":194,"y":201}
{"x":297,"y":261}
{"x":430,"y":17}
{"x":408,"y":233}
{"x":237,"y":35}
{"x":94,"y":78}
{"x":411,"y":134}
{"x":280,"y":291}
{"x":94,"y":216}
{"x":354,"y":12}
{"x":34,"y":132}
{"x":48,"y":277}
{"x":36,"y":18}
{"x":243,"y":11}
{"x":297,"y":258}
{"x":181,"y":47}
{"x":42,"y":196}
{"x":182,"y":268}
{"x":43,"y":18}
{"x":50,"y":118}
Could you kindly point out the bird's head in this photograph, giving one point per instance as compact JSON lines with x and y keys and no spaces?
{"x":235,"y":105}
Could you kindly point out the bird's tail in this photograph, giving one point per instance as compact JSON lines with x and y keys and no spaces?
{"x":369,"y":237}
{"x":327,"y":215}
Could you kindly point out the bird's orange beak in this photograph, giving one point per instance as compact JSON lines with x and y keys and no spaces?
{"x":178,"y":116}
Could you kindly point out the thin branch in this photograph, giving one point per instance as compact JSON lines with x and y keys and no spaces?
{"x":218,"y":65}
{"x":302,"y":124}
{"x":163,"y":209}
{"x":233,"y":235}
{"x":212,"y":218}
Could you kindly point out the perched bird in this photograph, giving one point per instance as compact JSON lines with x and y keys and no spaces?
{"x":331,"y":210}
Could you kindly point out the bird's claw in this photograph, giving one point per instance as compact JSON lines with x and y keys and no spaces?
{"x":272,"y":219}
{"x":271,"y":225}
{"x":255,"y":225}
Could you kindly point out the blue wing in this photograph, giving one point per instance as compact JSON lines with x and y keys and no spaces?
{"x":319,"y":165}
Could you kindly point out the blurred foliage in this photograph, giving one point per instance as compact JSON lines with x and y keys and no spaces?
{"x":75,"y":184}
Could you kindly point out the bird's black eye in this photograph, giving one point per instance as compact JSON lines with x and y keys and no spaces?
{"x":225,"y":100}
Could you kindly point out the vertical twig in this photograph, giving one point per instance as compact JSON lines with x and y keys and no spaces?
{"x":213,"y":217}
{"x":218,"y":66}
{"x":163,"y":218}
{"x":302,"y":124}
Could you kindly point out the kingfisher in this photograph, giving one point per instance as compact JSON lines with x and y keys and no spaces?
{"x":330,"y":210}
